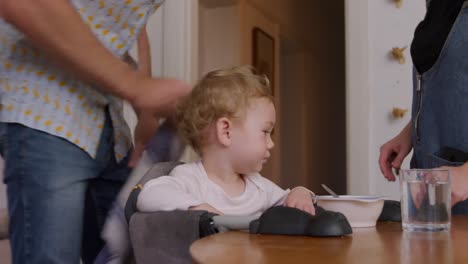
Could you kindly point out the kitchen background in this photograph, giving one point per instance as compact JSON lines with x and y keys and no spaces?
{"x":336,"y":81}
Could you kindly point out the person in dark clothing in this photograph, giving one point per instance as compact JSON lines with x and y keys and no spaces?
{"x":438,"y":129}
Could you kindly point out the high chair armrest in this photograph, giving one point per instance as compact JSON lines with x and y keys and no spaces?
{"x":164,"y":236}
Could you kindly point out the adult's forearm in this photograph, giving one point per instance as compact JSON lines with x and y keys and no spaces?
{"x":406,"y":131}
{"x":144,"y":53}
{"x":55,"y":27}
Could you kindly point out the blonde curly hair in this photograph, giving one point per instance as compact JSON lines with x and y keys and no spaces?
{"x":220,"y":93}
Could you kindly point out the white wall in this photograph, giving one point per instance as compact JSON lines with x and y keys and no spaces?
{"x":375,"y":84}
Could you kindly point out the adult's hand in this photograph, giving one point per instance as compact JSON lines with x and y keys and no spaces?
{"x":459,"y":182}
{"x":394,"y":152}
{"x":56,"y":28}
{"x":157,"y":96}
{"x":148,"y":108}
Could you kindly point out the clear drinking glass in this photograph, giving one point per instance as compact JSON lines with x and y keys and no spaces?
{"x":425,"y":199}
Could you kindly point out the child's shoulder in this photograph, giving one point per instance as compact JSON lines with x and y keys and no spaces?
{"x":190,"y":171}
{"x":183,"y":169}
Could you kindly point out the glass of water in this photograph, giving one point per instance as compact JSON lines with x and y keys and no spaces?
{"x":425,"y":199}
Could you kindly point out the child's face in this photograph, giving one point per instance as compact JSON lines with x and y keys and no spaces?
{"x":251,"y":137}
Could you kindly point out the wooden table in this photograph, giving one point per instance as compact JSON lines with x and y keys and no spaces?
{"x":386,"y":243}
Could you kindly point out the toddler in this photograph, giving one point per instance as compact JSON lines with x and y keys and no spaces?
{"x":228,"y":119}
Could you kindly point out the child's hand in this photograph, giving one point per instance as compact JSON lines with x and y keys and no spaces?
{"x":206,"y":207}
{"x":300,"y":198}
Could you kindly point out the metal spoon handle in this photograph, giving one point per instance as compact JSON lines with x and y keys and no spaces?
{"x":330,"y":191}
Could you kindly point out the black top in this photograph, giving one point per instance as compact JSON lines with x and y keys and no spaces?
{"x":431,"y":33}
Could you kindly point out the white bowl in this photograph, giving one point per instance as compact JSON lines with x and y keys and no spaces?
{"x":361,"y":211}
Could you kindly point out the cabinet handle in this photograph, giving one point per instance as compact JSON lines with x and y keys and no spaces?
{"x":398,"y":53}
{"x":398,"y":112}
{"x":398,"y":3}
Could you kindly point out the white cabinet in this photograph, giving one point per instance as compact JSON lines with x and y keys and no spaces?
{"x":375,"y":83}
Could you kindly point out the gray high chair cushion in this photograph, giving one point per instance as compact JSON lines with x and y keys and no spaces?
{"x":158,"y":170}
{"x":164,"y":236}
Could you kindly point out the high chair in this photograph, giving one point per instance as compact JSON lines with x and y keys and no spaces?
{"x":164,"y":236}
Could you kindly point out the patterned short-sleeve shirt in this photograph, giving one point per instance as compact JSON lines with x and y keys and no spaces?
{"x":39,"y":95}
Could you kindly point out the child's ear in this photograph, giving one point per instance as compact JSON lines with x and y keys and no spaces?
{"x":224,"y":131}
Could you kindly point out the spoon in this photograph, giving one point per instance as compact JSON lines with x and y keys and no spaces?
{"x":330,"y":191}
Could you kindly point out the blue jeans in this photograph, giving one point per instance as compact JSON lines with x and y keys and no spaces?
{"x":58,"y":196}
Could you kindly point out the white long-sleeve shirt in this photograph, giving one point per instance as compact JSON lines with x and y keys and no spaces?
{"x":188,"y":185}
